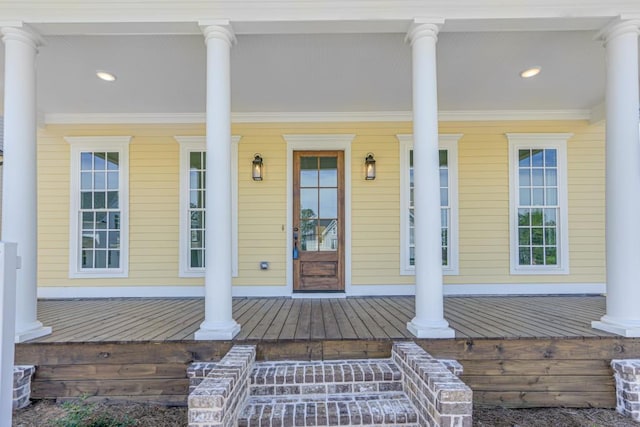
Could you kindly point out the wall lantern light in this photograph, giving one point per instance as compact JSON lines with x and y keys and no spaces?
{"x":256,"y":170}
{"x":370,"y":167}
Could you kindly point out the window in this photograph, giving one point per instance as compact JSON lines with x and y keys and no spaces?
{"x":193,"y":160}
{"x":99,"y":207}
{"x":538,"y":193}
{"x":448,"y":204}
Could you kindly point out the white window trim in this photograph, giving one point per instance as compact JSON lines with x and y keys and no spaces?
{"x":556,"y":141}
{"x":79,"y":144}
{"x":447,"y":142}
{"x":198,"y":143}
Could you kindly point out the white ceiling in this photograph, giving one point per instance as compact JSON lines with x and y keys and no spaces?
{"x":362,"y":66}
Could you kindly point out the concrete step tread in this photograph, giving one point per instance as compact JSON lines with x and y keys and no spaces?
{"x":339,"y":371}
{"x":360,"y":409}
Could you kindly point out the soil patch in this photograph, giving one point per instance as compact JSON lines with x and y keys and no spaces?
{"x":44,"y":413}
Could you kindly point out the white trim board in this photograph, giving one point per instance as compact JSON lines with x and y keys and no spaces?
{"x":504,"y":289}
{"x":314,"y":117}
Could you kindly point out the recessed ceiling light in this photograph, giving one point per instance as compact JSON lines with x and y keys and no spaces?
{"x":106,"y":76}
{"x":530,"y":72}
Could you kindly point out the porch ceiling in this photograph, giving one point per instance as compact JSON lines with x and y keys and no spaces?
{"x":161,"y":69}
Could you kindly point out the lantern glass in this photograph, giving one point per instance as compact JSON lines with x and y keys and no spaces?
{"x":370,"y":167}
{"x":256,"y":170}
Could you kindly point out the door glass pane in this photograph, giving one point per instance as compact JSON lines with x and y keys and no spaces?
{"x":328,"y":172}
{"x":328,"y":235}
{"x":328,"y":203}
{"x":309,"y":235}
{"x":308,"y":203}
{"x":308,"y":172}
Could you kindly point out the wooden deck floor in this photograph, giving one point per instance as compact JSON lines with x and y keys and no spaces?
{"x":282,"y":319}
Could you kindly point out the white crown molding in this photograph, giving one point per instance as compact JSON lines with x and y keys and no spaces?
{"x":313,"y":117}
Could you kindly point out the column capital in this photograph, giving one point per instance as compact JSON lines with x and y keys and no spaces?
{"x":618,"y":27}
{"x":424,"y":27}
{"x":21,"y":34}
{"x":220,"y":30}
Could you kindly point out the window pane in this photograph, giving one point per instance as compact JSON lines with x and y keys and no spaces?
{"x":445,"y":257}
{"x":538,"y":177}
{"x":551,"y":258}
{"x":112,"y":180}
{"x":114,"y":259}
{"x":308,"y":235}
{"x":536,"y":217}
{"x":524,"y":157}
{"x":86,"y":198}
{"x":412,"y":256}
{"x":550,"y":236}
{"x":100,"y":163}
{"x":328,"y":203}
{"x":328,"y":235}
{"x":524,"y":256}
{"x":197,"y":258}
{"x":101,"y":259}
{"x":537,"y":157}
{"x":86,"y":161}
{"x":101,"y":220}
{"x":87,"y":220}
{"x":309,"y":203}
{"x":538,"y":197}
{"x":308,"y":171}
{"x":443,"y":158}
{"x":551,"y":177}
{"x":114,"y":240}
{"x":550,"y":217}
{"x":196,"y":239}
{"x":197,"y":219}
{"x":113,"y":160}
{"x":112,"y":199}
{"x":536,"y":236}
{"x":99,"y":200}
{"x":444,"y":177}
{"x":99,"y":181}
{"x":525,"y":196}
{"x":538,"y":256}
{"x":525,"y":179}
{"x":444,"y":197}
{"x":524,"y":217}
{"x":550,"y":157}
{"x":552,"y":196}
{"x":87,"y":259}
{"x":195,"y":160}
{"x":444,"y":217}
{"x":114,"y":220}
{"x":85,"y":181}
{"x":524,"y":237}
{"x":328,"y":172}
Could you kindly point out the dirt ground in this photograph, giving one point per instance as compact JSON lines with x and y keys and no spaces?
{"x":45,"y":413}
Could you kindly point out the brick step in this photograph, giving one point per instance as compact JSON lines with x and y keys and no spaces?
{"x":357,"y":409}
{"x":324,"y":377}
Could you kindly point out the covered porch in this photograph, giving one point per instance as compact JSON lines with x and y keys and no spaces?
{"x":516,"y":351}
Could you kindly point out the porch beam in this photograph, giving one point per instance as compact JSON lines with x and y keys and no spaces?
{"x":622,"y":180}
{"x":218,"y":318}
{"x":19,"y":192}
{"x":429,"y":321}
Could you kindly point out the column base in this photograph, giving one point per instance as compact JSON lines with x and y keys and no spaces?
{"x":217,"y":331}
{"x":431,"y":330}
{"x":33,"y":331}
{"x":629,"y":329}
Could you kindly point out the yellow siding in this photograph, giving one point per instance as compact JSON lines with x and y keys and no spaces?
{"x":483,"y":188}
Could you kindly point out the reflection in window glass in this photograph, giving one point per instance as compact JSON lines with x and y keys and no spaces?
{"x":99,"y":201}
{"x":537,"y":207}
{"x":445,"y":208}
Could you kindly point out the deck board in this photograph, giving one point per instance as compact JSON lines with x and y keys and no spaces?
{"x":283,"y":319}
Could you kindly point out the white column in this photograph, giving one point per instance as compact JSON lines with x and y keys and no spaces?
{"x":218,"y":317}
{"x":19,"y":198}
{"x":429,"y":321}
{"x":622,"y":181}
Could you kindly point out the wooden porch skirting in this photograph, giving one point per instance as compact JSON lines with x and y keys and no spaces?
{"x":562,"y":370}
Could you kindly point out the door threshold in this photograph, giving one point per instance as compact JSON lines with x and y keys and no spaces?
{"x":318,"y":295}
